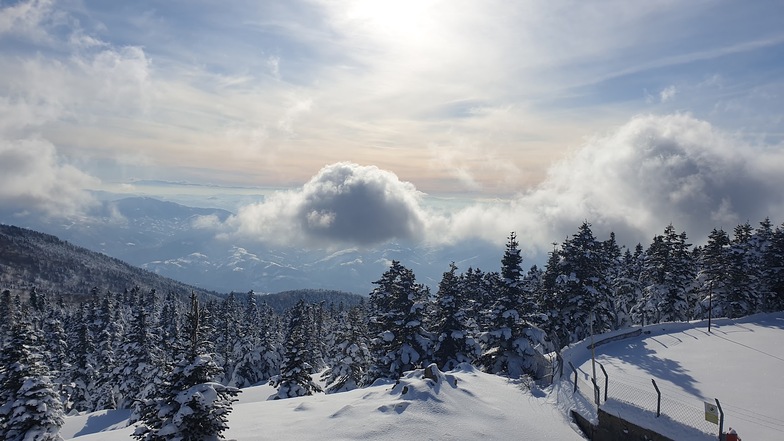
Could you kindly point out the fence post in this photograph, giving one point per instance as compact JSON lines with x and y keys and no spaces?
{"x":721,"y":420}
{"x":595,"y":391}
{"x":658,"y":399}
{"x":575,"y":377}
{"x":606,"y":381}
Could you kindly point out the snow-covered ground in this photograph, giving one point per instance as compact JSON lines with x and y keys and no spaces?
{"x":464,"y":405}
{"x":740,"y":362}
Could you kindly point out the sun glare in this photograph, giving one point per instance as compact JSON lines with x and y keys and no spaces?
{"x":399,"y":19}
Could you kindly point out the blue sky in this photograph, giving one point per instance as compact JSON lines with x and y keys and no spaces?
{"x":488,"y":100}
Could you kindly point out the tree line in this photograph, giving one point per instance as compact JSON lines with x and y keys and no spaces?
{"x":178,"y":363}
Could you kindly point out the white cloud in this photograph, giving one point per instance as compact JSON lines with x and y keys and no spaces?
{"x":343,"y":203}
{"x":667,"y":94}
{"x":648,"y":173}
{"x":26,"y":18}
{"x":33,"y":179}
{"x":635,"y":180}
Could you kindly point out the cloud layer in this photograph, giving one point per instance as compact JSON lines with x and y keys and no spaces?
{"x":634,"y":180}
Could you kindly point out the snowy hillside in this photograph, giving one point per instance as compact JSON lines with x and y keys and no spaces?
{"x":739,"y":362}
{"x":462,"y":405}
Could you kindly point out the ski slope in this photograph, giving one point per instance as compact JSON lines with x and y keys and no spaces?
{"x":740,"y":363}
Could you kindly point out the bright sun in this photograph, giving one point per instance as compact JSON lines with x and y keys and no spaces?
{"x":394,"y":19}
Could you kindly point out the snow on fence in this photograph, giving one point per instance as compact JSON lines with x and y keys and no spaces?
{"x":639,"y":402}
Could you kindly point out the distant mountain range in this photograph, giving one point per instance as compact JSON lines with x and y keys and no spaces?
{"x":160,"y":236}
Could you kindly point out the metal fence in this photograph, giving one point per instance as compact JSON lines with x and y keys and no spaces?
{"x":679,"y":407}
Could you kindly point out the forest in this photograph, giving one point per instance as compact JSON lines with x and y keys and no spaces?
{"x":177,"y":360}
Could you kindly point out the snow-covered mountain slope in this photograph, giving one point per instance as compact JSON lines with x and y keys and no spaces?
{"x":461,"y":405}
{"x":739,"y":363}
{"x":31,"y":259}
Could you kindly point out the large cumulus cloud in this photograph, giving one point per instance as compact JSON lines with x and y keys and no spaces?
{"x":637,"y":179}
{"x":343,"y":203}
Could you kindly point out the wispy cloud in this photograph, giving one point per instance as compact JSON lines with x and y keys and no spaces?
{"x":465,"y":96}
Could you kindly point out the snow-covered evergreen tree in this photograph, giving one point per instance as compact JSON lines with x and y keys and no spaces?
{"x":742,"y":270}
{"x":713,"y":279}
{"x":773,"y":272}
{"x":396,"y":322}
{"x":247,"y":348}
{"x":510,"y":341}
{"x":295,"y":373}
{"x":581,"y":295}
{"x":351,"y":355}
{"x":190,"y":405}
{"x":139,"y":362}
{"x":667,"y":276}
{"x":454,"y":332}
{"x":627,"y":288}
{"x":30,"y":407}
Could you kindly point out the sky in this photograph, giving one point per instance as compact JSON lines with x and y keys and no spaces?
{"x":414,"y":120}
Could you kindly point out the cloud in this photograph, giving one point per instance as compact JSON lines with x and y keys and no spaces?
{"x":343,"y":203}
{"x":637,"y":179}
{"x":668,"y":93}
{"x":33,"y":179}
{"x":634,"y":181}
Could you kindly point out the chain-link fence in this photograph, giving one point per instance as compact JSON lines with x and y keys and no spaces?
{"x":685,"y":409}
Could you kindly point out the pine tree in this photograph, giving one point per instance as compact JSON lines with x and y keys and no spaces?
{"x":351,"y":353}
{"x":399,"y":340}
{"x":454,"y":334}
{"x":295,"y":373}
{"x":30,"y":408}
{"x":510,"y":340}
{"x":741,"y":270}
{"x":773,"y":271}
{"x":581,"y":298}
{"x":247,"y":349}
{"x":712,"y":279}
{"x":139,"y":363}
{"x":667,"y":276}
{"x":190,"y":405}
{"x":627,"y":289}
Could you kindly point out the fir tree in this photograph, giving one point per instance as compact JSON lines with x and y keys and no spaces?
{"x":773,"y":271}
{"x":247,"y":349}
{"x":667,"y":276}
{"x":139,"y":363}
{"x":453,"y":330}
{"x":399,"y":339}
{"x":295,"y":379}
{"x":510,"y":340}
{"x":30,"y":408}
{"x":351,"y":353}
{"x":712,"y":279}
{"x":190,"y":405}
{"x":581,"y":295}
{"x":627,"y":288}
